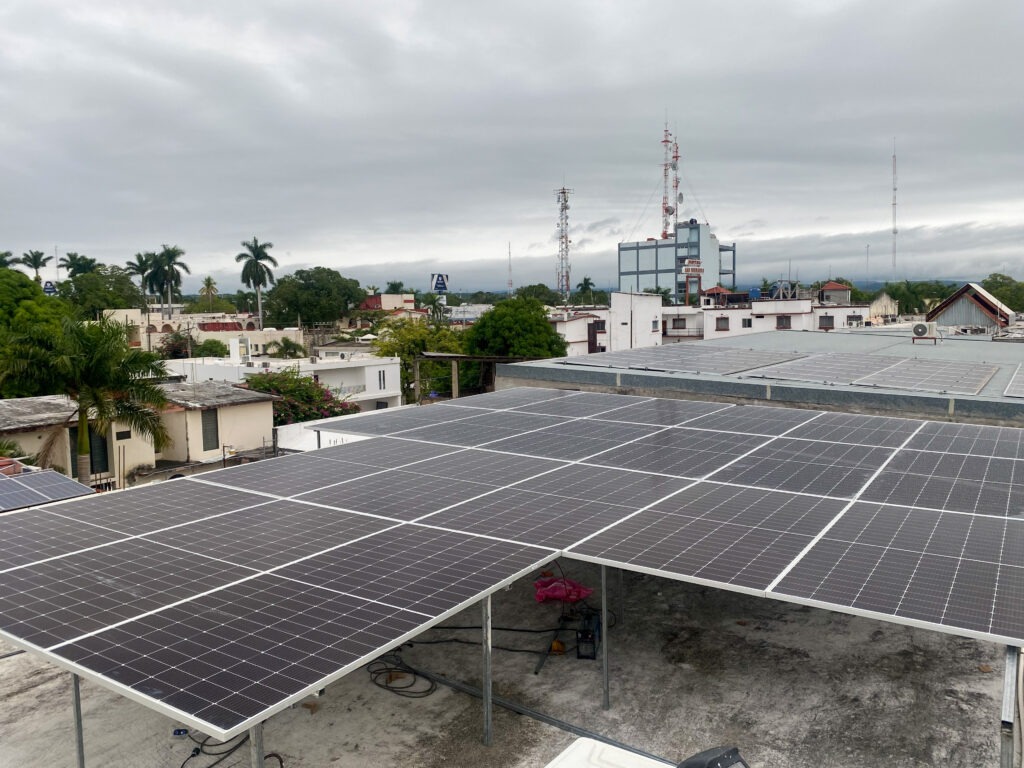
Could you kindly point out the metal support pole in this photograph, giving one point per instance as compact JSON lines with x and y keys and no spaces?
{"x":621,"y":618}
{"x":455,"y":379}
{"x":416,"y":380}
{"x":1009,"y":707}
{"x":486,"y":642}
{"x":606,"y":702}
{"x":76,"y":705}
{"x":256,"y":745}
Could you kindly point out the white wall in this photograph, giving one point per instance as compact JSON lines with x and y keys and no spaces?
{"x":634,"y":320}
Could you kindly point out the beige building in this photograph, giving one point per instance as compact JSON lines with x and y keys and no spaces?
{"x":210,"y":424}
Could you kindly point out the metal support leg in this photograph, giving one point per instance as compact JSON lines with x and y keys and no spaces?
{"x":606,"y":702}
{"x":455,"y":379}
{"x":76,"y":705}
{"x":256,"y":746}
{"x":486,"y":642}
{"x":621,"y":618}
{"x":1009,"y":707}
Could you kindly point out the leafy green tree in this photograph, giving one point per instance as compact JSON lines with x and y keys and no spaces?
{"x":317,"y":295}
{"x":372,"y":290}
{"x":916,"y":296}
{"x":395,"y":286}
{"x":286,"y":348}
{"x":6,"y":259}
{"x":255,"y":272}
{"x":178,"y":345}
{"x":211,"y":348}
{"x":302,"y":398}
{"x":77,"y":264}
{"x":203,"y":306}
{"x":23,"y":305}
{"x":95,"y":366}
{"x":405,"y":339}
{"x":434,"y":306}
{"x":1006,"y":289}
{"x":541,"y":293}
{"x":454,"y":300}
{"x":486,"y":297}
{"x":35,"y":260}
{"x":516,"y":327}
{"x":244,"y":300}
{"x":584,"y":291}
{"x":106,"y":287}
{"x":165,"y":275}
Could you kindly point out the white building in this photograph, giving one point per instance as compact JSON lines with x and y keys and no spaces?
{"x":369,"y":381}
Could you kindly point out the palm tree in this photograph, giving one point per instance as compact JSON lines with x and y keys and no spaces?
{"x":209,"y":290}
{"x":140,"y":268}
{"x":372,"y":290}
{"x":76,"y":264}
{"x":286,"y":348}
{"x":395,"y":286}
{"x":166,"y":272}
{"x":436,"y":307}
{"x":35,"y":260}
{"x":95,"y":366}
{"x":586,"y":285}
{"x":6,"y":259}
{"x":255,"y":272}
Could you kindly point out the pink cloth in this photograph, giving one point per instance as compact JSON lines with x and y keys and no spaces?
{"x":556,"y":588}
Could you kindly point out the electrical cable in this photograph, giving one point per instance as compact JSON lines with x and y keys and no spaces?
{"x":12,"y":653}
{"x":474,"y":642}
{"x":392,"y":674}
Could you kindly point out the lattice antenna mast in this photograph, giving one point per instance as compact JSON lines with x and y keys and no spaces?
{"x":562,"y":275}
{"x":666,"y":142}
{"x":895,"y":231}
{"x":677,"y":198}
{"x":510,"y":289}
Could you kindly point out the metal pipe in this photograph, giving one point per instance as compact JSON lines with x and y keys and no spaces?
{"x":1007,"y":719}
{"x":606,"y":701}
{"x":486,"y":642}
{"x":256,"y":745}
{"x":76,"y":705}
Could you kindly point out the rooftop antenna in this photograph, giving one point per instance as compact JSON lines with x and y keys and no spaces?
{"x":867,"y":265}
{"x":666,"y":209}
{"x":510,"y":269}
{"x":562,"y":274}
{"x":677,"y":198}
{"x":894,"y":230}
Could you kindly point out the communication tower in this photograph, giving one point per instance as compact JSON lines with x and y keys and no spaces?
{"x":562,"y":274}
{"x":894,"y":230}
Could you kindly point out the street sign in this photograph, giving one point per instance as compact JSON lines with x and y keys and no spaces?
{"x":49,"y":288}
{"x":691,"y":263}
{"x":693,"y":270}
{"x":439,"y":283}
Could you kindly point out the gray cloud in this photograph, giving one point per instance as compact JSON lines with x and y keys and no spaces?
{"x":414,"y":137}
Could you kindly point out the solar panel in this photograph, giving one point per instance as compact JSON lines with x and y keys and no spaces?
{"x":897,"y":561}
{"x":821,"y":469}
{"x":829,"y":368}
{"x":588,"y":439}
{"x":947,"y":376}
{"x":959,"y":482}
{"x":288,"y":475}
{"x":482,"y":429}
{"x":738,"y":537}
{"x":753,"y":419}
{"x":32,"y":536}
{"x":610,"y":486}
{"x":384,"y":452}
{"x":972,"y":439}
{"x":1016,"y":386}
{"x":679,"y":452}
{"x":14,"y":495}
{"x":582,"y":404}
{"x":397,"y":420}
{"x":662,"y":413}
{"x":52,"y":485}
{"x":485,"y":466}
{"x":684,"y":358}
{"x":856,"y":428}
{"x":509,"y":398}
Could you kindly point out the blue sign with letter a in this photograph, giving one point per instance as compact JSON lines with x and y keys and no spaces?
{"x":439,"y":283}
{"x":49,"y":288}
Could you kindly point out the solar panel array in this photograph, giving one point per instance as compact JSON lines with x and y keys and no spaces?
{"x":29,"y":489}
{"x":221,"y":599}
{"x":941,"y":376}
{"x":1016,"y":386}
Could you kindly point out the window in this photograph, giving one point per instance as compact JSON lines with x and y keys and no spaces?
{"x":654,"y":326}
{"x":598,"y":325}
{"x":381,"y":380}
{"x":826,"y":322}
{"x":381,"y":405}
{"x":99,"y":459}
{"x":211,"y":435}
{"x":854,"y":320}
{"x":721,"y":323}
{"x":747,"y":322}
{"x":783,"y":323}
{"x":123,"y":435}
{"x":678,"y":323}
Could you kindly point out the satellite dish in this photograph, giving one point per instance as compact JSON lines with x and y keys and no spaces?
{"x":670,"y":209}
{"x":920,"y":329}
{"x":680,"y":198}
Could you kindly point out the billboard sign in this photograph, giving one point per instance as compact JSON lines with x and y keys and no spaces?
{"x":439,"y":283}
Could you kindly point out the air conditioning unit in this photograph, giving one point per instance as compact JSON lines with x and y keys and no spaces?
{"x":265,"y":365}
{"x":313,"y":359}
{"x":250,"y":364}
{"x":926,"y":330}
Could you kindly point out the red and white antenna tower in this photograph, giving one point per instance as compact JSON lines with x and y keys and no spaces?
{"x":676,"y":197}
{"x":562,"y":274}
{"x":666,"y":209}
{"x":894,"y":230}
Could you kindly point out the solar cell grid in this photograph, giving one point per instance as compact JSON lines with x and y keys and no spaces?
{"x":972,"y":439}
{"x":960,"y":482}
{"x":509,"y":398}
{"x":14,"y":495}
{"x":52,"y":602}
{"x":271,"y":534}
{"x":553,"y":443}
{"x":679,"y":452}
{"x":723,"y":361}
{"x":398,"y":494}
{"x":52,"y":485}
{"x":582,"y":404}
{"x":245,"y":651}
{"x":29,"y":537}
{"x":482,"y":429}
{"x":822,"y":469}
{"x":1016,"y":386}
{"x":829,"y":368}
{"x":855,"y":428}
{"x":288,"y":475}
{"x":753,"y":419}
{"x":384,"y":452}
{"x":932,"y":376}
{"x":610,"y":486}
{"x":531,"y":518}
{"x":484,"y":466}
{"x":661,"y":413}
{"x":152,"y":507}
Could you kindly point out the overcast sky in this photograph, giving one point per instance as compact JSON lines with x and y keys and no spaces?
{"x":389,"y":140}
